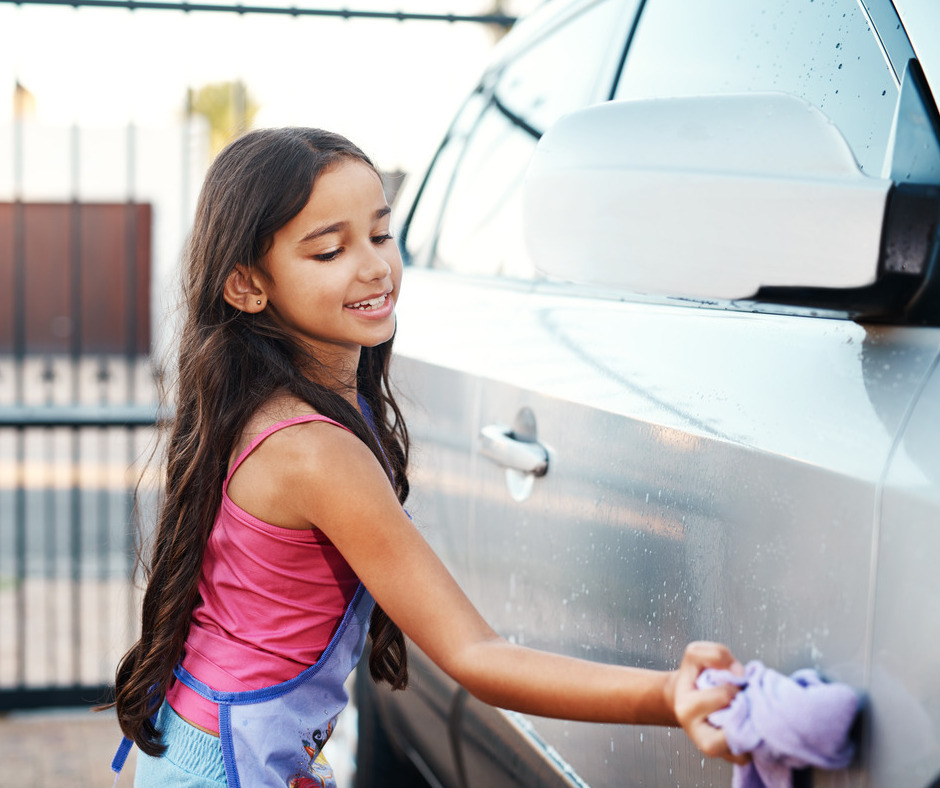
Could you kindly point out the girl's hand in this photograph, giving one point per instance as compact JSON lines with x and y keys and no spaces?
{"x":692,"y":706}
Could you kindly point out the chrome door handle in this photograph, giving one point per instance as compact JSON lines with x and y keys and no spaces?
{"x":501,"y":445}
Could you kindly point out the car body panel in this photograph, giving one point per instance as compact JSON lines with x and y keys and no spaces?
{"x":730,"y":494}
{"x":905,"y":708}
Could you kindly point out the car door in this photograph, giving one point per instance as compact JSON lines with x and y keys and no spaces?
{"x":712,"y":472}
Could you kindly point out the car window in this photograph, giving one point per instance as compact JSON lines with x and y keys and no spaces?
{"x":821,"y":50}
{"x":420,"y":229}
{"x":569,"y":67}
{"x":480,"y":228}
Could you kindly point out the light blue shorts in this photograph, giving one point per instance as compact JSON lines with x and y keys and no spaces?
{"x":193,"y":758}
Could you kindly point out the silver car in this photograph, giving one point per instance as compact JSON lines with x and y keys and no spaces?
{"x":669,"y":345}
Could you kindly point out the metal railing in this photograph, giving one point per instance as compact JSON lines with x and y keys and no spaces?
{"x":69,"y":472}
{"x":502,"y":20}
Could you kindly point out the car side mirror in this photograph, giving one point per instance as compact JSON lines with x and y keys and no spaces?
{"x":753,"y":196}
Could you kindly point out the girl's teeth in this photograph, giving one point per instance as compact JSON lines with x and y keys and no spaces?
{"x":370,"y":304}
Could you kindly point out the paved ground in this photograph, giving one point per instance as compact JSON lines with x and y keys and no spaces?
{"x":74,"y":748}
{"x":58,"y":747}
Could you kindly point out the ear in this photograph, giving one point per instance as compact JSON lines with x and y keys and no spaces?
{"x":244,"y":290}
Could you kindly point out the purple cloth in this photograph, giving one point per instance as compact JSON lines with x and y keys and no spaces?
{"x":784,"y":722}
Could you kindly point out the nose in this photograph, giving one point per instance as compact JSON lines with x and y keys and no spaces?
{"x":374,"y":266}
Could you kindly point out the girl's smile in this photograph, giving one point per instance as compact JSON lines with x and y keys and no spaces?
{"x":374,"y":308}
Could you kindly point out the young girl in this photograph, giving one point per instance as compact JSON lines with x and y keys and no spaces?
{"x":282,"y":518}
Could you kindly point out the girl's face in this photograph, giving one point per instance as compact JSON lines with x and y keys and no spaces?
{"x":333,"y":271}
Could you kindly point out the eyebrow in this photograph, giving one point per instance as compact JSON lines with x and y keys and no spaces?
{"x":338,"y":226}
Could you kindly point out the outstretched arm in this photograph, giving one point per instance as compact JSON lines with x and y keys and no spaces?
{"x":334,"y":482}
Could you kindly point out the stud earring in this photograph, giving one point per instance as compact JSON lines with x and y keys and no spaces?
{"x":259,"y":302}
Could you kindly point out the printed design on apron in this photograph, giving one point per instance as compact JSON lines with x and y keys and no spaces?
{"x":320,"y":773}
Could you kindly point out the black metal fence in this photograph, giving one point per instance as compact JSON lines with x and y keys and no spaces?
{"x":76,"y":436}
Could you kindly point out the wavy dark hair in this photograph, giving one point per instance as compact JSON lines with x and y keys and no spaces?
{"x":230,"y":363}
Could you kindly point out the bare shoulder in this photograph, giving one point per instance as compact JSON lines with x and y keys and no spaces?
{"x":313,"y":447}
{"x":279,"y":408}
{"x":295,"y":465}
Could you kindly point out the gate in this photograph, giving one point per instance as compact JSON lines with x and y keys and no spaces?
{"x":81,"y":281}
{"x":77,"y":410}
{"x":75,"y":436}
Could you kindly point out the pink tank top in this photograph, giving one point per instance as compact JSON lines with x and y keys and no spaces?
{"x":271,"y":599}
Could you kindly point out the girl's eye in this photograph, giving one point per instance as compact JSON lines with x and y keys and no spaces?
{"x":381,"y":239}
{"x":327,"y":256}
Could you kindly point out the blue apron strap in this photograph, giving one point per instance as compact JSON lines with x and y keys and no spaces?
{"x":120,"y":757}
{"x":228,"y":746}
{"x":225,"y":721}
{"x":124,"y":749}
{"x":199,"y":687}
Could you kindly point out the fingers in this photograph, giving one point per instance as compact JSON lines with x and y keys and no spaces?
{"x":701,"y":655}
{"x":710,"y":740}
{"x":693,"y":706}
{"x":705,"y":654}
{"x":700,"y":703}
{"x":694,"y":720}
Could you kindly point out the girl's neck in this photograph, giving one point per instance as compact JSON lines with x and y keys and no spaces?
{"x":337,"y":373}
{"x":347,"y":389}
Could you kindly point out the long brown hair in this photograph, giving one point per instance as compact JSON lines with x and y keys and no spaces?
{"x":230,"y":363}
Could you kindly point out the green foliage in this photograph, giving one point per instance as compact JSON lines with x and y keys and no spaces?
{"x":227,"y":106}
